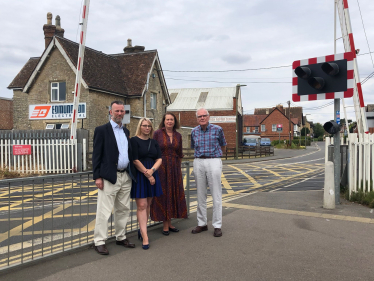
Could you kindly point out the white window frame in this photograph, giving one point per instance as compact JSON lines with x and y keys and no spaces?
{"x":57,"y":88}
{"x":263,"y":128}
{"x":274,"y":127}
{"x":50,"y":126}
{"x":248,"y":129}
{"x":256,"y":130}
{"x":153,"y":101}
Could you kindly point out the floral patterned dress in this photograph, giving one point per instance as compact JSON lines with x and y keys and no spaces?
{"x":172,"y":202}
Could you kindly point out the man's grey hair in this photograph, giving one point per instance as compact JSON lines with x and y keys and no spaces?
{"x":202,"y":108}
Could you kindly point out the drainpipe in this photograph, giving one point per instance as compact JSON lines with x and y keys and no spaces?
{"x":145,"y":96}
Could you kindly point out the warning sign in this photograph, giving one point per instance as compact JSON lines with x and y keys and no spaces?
{"x":22,"y":149}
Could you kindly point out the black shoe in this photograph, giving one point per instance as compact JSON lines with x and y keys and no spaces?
{"x":145,"y":247}
{"x":166,"y":233}
{"x":102,"y":250}
{"x":125,"y":243}
{"x":140,"y":235}
{"x":173,"y":229}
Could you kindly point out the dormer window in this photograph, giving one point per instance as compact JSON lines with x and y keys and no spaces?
{"x":58,"y":91}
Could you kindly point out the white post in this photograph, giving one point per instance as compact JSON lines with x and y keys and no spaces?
{"x":329,"y":186}
{"x":327,"y":143}
{"x":84,"y":155}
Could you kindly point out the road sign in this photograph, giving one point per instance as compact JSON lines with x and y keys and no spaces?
{"x":279,"y":127}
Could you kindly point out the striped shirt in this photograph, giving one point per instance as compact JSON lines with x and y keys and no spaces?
{"x":208,"y":143}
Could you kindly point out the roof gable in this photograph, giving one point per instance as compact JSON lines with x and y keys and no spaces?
{"x":274,"y":109}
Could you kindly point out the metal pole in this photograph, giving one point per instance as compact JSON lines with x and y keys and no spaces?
{"x":337,"y":157}
{"x":289,"y":121}
{"x":237,"y":121}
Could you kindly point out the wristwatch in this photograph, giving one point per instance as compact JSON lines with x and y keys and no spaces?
{"x":153,"y":169}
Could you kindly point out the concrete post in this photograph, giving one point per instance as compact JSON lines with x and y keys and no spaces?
{"x":328,"y":190}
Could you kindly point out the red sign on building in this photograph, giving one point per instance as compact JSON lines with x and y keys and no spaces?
{"x":22,"y":149}
{"x":279,"y":127}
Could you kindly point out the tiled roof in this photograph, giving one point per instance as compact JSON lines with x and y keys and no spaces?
{"x":124,"y":74}
{"x":135,"y":68}
{"x":295,"y":120}
{"x":100,"y":71}
{"x":21,"y":79}
{"x":251,"y":120}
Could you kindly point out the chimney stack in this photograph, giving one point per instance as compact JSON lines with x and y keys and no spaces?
{"x":130,"y":49}
{"x":59,"y":31}
{"x":49,"y":30}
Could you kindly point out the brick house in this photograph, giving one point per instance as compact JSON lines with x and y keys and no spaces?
{"x":268,"y":126}
{"x":221,"y":104}
{"x":251,"y":124}
{"x":295,"y":112}
{"x":134,"y":77}
{"x":6,"y":114}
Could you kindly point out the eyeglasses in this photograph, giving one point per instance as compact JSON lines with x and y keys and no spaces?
{"x":202,"y":116}
{"x":146,"y":126}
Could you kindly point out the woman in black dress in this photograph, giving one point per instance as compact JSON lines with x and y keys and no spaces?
{"x":147,"y":159}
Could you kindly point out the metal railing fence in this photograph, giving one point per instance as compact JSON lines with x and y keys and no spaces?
{"x":49,"y":215}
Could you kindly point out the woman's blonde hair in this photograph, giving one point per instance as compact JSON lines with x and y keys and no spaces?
{"x":139,"y":125}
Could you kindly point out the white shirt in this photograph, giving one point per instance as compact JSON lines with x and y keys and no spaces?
{"x":122,"y":144}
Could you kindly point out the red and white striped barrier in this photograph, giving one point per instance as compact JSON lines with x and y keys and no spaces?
{"x":78,"y":77}
{"x":349,"y":45}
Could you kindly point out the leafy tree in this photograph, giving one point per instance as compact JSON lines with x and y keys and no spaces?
{"x":303,"y":131}
{"x":352,"y":126}
{"x":318,"y":130}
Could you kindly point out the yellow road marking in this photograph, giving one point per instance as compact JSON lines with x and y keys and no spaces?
{"x":251,"y":179}
{"x":226,"y":185}
{"x":19,"y":228}
{"x":299,"y":213}
{"x":185,"y":178}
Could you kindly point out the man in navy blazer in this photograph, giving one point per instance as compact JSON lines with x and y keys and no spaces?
{"x":113,"y":172}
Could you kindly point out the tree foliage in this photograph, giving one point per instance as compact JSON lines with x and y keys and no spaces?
{"x":318,"y":130}
{"x":303,"y":131}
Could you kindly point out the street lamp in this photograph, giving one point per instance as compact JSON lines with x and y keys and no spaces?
{"x":305,"y":128}
{"x":236,"y":118}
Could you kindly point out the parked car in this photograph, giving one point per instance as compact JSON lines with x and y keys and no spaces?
{"x":265,"y":142}
{"x":250,"y":141}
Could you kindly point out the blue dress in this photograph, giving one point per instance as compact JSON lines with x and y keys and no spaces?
{"x":142,"y":188}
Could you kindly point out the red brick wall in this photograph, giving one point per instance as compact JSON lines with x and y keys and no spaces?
{"x":6,"y":114}
{"x":276,"y":117}
{"x":188,"y":119}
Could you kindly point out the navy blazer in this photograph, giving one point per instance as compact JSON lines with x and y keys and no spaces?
{"x":105,"y":154}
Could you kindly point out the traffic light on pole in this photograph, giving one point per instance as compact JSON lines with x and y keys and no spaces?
{"x":331,"y":127}
{"x":322,"y":78}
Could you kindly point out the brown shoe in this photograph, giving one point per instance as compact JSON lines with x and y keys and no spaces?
{"x":125,"y":243}
{"x":102,"y":250}
{"x":217,"y":232}
{"x":199,"y":229}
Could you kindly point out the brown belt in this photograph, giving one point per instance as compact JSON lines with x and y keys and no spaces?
{"x":206,"y":157}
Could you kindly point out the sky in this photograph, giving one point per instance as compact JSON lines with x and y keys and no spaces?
{"x":265,"y":36}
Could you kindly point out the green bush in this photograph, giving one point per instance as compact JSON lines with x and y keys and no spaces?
{"x":320,"y":138}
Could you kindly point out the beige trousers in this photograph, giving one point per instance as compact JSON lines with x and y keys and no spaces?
{"x":208,"y":173}
{"x":113,"y":195}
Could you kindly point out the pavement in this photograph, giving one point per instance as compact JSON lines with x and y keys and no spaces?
{"x":266,"y":236}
